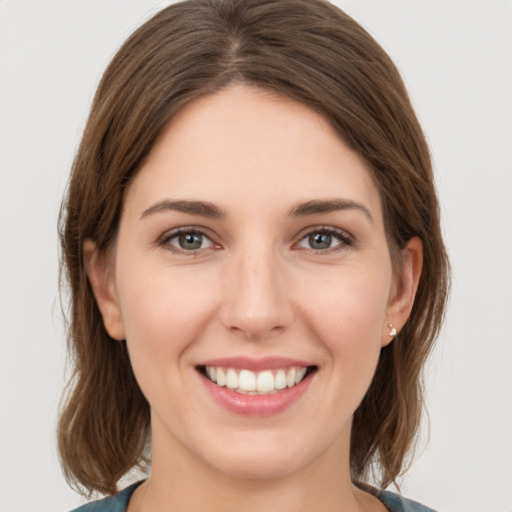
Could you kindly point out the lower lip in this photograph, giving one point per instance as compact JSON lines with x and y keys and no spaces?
{"x":257,"y":405}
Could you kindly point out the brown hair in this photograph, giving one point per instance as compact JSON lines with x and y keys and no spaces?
{"x":307,"y":50}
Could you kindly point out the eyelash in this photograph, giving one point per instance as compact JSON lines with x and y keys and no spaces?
{"x":345,"y":239}
{"x":167,"y":237}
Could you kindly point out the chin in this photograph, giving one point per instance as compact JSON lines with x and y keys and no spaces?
{"x":258,"y":466}
{"x":258,"y":459}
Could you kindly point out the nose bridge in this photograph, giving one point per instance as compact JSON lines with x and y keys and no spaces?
{"x":256,"y":301}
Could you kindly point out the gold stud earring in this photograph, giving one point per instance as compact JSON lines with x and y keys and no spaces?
{"x":392,"y":330}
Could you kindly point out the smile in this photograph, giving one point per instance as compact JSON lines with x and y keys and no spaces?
{"x":256,"y":387}
{"x":250,"y":382}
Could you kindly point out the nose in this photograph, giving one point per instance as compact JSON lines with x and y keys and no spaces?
{"x":257,"y":297}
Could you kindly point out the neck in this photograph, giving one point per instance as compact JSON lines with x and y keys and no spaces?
{"x":181,"y":481}
{"x":230,"y":494}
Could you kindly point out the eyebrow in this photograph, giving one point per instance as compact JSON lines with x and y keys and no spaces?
{"x":326,"y":206}
{"x":209,"y":210}
{"x":200,"y":208}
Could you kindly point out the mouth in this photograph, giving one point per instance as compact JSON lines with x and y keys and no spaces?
{"x":259,"y":383}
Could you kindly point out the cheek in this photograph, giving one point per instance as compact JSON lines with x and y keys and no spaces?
{"x":347,"y":315}
{"x":163,"y":310}
{"x":350,"y":300}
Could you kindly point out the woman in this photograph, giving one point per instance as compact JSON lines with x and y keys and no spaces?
{"x":251,"y":239}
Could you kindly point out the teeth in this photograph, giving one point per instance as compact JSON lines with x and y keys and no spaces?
{"x":231,"y":379}
{"x":290,"y":377}
{"x":212,"y":373}
{"x":248,"y":382}
{"x":280,"y":379}
{"x":266,"y":381}
{"x":300,"y":374}
{"x":221,"y":377}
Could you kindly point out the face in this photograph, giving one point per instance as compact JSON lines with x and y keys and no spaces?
{"x":252,"y":281}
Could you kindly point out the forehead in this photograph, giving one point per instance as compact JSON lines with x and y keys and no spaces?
{"x":254,"y":146}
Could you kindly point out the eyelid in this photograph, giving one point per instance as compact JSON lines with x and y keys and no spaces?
{"x":164,"y":239}
{"x":344,"y":236}
{"x":347,"y":240}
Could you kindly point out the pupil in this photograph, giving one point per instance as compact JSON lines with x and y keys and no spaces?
{"x":190,"y":241}
{"x":320,"y":241}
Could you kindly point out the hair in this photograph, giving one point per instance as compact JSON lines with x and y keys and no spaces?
{"x":307,"y":50}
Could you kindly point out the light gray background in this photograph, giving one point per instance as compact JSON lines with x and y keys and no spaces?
{"x":456,"y":58}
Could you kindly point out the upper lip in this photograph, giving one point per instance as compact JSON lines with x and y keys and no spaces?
{"x":247,"y":363}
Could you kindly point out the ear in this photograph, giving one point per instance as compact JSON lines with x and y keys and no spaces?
{"x":404,"y":289}
{"x":101,"y":276}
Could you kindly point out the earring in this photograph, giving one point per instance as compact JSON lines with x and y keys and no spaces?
{"x":392,"y":330}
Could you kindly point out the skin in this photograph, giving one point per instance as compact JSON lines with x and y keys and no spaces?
{"x":255,"y":288}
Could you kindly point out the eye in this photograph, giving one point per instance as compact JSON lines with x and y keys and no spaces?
{"x":324,"y":239}
{"x":187,"y":240}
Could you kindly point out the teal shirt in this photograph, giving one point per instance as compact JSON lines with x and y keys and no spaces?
{"x":119,"y":502}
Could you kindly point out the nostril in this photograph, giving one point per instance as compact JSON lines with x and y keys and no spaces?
{"x":257,"y":307}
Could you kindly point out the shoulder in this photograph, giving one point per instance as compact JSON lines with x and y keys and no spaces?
{"x":396,"y":503}
{"x":117,"y":503}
